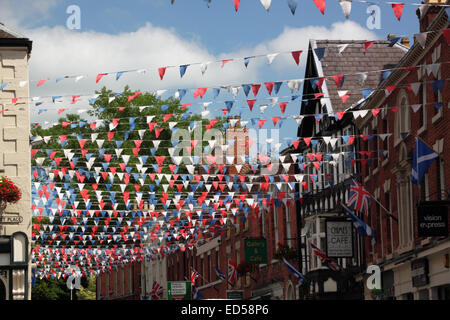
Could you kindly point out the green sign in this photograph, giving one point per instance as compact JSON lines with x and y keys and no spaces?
{"x":179,"y":290}
{"x":255,"y":251}
{"x":235,"y":294}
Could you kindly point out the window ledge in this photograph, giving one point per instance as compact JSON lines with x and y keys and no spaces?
{"x":422,"y":129}
{"x":376,"y":170}
{"x":437,"y":116}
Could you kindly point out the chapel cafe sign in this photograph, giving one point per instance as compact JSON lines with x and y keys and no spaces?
{"x":339,"y":238}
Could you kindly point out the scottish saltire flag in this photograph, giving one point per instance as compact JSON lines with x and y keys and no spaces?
{"x":232,"y":271}
{"x":358,"y":198}
{"x":422,"y":159}
{"x":295,"y":272}
{"x":220,"y":274}
{"x":194,"y":276}
{"x":197,"y":294}
{"x":330,"y":263}
{"x":363,"y":229}
{"x":157,"y":291}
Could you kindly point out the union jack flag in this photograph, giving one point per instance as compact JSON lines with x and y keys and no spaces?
{"x":358,"y":198}
{"x":326,"y":261}
{"x":157,"y":291}
{"x":194,"y":276}
{"x":232,"y":271}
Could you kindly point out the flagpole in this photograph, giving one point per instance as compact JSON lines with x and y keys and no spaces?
{"x":389,"y":214}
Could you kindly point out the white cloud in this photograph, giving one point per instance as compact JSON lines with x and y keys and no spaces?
{"x":30,"y":10}
{"x":58,"y":52}
{"x":292,"y":39}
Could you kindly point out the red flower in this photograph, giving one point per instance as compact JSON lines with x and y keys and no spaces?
{"x":9,"y":192}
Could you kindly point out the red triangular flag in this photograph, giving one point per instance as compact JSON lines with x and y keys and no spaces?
{"x":251,"y":103}
{"x":275,"y":120}
{"x":202,"y":91}
{"x":368,"y":44}
{"x":338,"y":80}
{"x":398,"y":10}
{"x":320,"y":4}
{"x":269,"y":86}
{"x":236,"y":4}
{"x":390,"y":88}
{"x":296,"y":56}
{"x":375,"y":112}
{"x":283,"y":106}
{"x":99,"y":76}
{"x":260,"y":123}
{"x":307,"y":141}
{"x":226,"y":61}
{"x":161,"y":72}
{"x":255,"y":88}
{"x":41,"y":82}
{"x":296,"y":143}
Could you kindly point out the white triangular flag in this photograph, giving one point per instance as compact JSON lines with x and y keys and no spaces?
{"x":346,"y":6}
{"x":271,"y":57}
{"x":266,"y":4}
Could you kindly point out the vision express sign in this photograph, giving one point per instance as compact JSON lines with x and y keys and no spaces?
{"x":432,"y":219}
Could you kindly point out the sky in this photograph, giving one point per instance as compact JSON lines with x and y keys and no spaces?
{"x":148,"y":34}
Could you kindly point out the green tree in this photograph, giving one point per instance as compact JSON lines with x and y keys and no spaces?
{"x":50,"y":289}
{"x":90,"y":292}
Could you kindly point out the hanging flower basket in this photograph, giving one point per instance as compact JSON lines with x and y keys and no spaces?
{"x":244,"y":268}
{"x":9,"y":192}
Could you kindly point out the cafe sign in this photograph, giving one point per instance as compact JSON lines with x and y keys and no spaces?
{"x":255,"y":251}
{"x":339,"y":238}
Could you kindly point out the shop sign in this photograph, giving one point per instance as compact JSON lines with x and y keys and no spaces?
{"x":339,"y":238}
{"x":432,"y":219}
{"x":419,"y":272}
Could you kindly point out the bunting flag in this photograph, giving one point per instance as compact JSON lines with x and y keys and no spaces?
{"x":320,"y":4}
{"x":398,"y":10}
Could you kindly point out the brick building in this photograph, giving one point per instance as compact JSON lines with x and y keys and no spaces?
{"x":326,"y":186}
{"x":123,"y":282}
{"x":275,"y":221}
{"x":418,"y":105}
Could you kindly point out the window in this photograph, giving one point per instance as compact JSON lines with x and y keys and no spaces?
{"x":402,"y":118}
{"x":387,"y":204}
{"x":288,"y":227}
{"x":130,"y":280}
{"x":423,"y":100}
{"x":275,"y":227}
{"x":404,"y":205}
{"x":440,"y":179}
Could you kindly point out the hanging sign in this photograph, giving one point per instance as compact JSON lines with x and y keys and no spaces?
{"x":339,"y":238}
{"x":179,"y":290}
{"x":432,"y":219}
{"x":255,"y":251}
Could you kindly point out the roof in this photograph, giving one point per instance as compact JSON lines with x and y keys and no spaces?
{"x":10,"y":38}
{"x":5,"y":32}
{"x":354,"y":59}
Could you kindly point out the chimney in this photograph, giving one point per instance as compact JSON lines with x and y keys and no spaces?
{"x":405,"y":41}
{"x":427,"y":12}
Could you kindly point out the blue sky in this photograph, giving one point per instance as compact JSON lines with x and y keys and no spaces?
{"x":120,"y":35}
